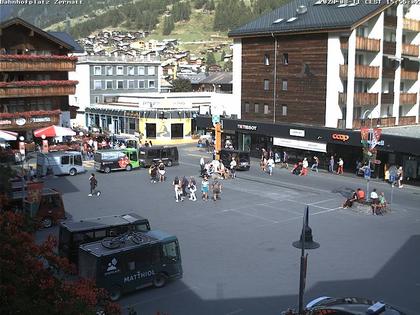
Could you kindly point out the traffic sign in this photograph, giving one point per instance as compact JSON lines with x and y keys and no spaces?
{"x":368,"y":172}
{"x":215,"y":119}
{"x":392,"y":178}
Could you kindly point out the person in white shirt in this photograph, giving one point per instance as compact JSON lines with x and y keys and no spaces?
{"x":374,"y":199}
{"x":233,"y":165}
{"x":305,"y":166}
{"x":270,"y":164}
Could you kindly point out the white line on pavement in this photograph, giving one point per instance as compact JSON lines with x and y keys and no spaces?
{"x":251,"y":215}
{"x":322,"y":201}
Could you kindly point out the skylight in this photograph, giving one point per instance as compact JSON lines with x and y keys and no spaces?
{"x":319,"y":2}
{"x":342,"y":5}
{"x":353,"y":4}
{"x":291,"y":19}
{"x":278,"y":21}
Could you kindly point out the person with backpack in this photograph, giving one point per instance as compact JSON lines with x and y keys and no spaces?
{"x":217,"y":189}
{"x":93,"y":184}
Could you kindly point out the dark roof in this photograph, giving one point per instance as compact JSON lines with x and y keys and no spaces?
{"x":319,"y":17}
{"x":218,"y":78}
{"x":60,"y":38}
{"x":194,"y":78}
{"x":65,"y":37}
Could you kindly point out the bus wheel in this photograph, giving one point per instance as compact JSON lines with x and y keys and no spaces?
{"x":115,"y":293}
{"x":46,"y":222}
{"x":107,"y":169}
{"x":159,"y":281}
{"x":169,"y":163}
{"x":128,"y":168}
{"x":72,"y":172}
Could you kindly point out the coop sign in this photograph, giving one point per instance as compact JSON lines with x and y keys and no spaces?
{"x":139,"y":275}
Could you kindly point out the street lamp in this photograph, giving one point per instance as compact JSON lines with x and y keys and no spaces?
{"x":44,"y":144}
{"x":305,"y":242}
{"x":370,"y":141}
{"x":22,"y":161}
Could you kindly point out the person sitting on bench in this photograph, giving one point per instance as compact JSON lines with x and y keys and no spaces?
{"x":358,"y":195}
{"x":374,"y":199}
{"x":381,"y":206}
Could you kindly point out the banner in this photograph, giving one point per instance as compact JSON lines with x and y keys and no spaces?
{"x":34,"y":191}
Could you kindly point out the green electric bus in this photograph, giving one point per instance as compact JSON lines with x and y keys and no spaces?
{"x":116,"y":159}
{"x":131,"y":261}
{"x":74,"y":233}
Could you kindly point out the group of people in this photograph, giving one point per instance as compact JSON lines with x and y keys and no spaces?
{"x":185,"y":187}
{"x":378,"y":202}
{"x":157,"y":172}
{"x":216,"y":169}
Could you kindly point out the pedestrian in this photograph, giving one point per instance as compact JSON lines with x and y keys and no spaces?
{"x":285,"y":163}
{"x":233,"y":165}
{"x":217,"y":189}
{"x":305,"y":166}
{"x":184,"y":185}
{"x":374,"y":200}
{"x":270,"y":164}
{"x":161,"y":171}
{"x":205,"y":188}
{"x":192,"y":186}
{"x":340,"y":168}
{"x":331,"y":164}
{"x":178,"y":191}
{"x":93,"y":184}
{"x":314,"y":166}
{"x":202,"y":163}
{"x":150,"y":143}
{"x":146,"y":143}
{"x":400,"y":176}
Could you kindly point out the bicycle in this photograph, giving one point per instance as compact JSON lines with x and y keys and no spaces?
{"x":117,"y":241}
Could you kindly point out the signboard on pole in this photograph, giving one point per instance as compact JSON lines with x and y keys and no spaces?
{"x":215,"y":119}
{"x":368,"y":173}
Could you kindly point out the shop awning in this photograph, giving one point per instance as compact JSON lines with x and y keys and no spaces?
{"x":54,"y":131}
{"x":8,"y":135}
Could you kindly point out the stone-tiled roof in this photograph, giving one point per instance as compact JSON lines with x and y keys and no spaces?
{"x":218,"y":78}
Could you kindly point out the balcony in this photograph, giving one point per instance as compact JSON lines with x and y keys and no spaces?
{"x":360,"y":99}
{"x":387,"y":98}
{"x":29,"y":120}
{"x":406,"y":120}
{"x":37,"y":88}
{"x":390,"y":21}
{"x":389,"y":48}
{"x":411,"y":25}
{"x":409,"y":75}
{"x":410,"y":50}
{"x":388,"y":73}
{"x":37,"y":63}
{"x":361,"y":72}
{"x":362,"y":43}
{"x":408,"y":98}
{"x":376,"y":122}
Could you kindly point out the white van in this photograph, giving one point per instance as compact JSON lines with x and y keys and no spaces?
{"x":59,"y":163}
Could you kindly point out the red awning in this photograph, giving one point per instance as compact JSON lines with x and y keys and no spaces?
{"x":54,"y":131}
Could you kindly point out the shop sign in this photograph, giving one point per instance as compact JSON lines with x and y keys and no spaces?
{"x":40,"y":119}
{"x":300,"y":144}
{"x":297,"y":132}
{"x":247,"y":127}
{"x":340,"y":137}
{"x":5,"y":122}
{"x":20,"y":121}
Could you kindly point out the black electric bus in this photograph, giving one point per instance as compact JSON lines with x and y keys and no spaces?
{"x":167,"y":154}
{"x":131,"y":262}
{"x":74,"y":233}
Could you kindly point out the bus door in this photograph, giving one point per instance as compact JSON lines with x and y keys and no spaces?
{"x":171,"y":259}
{"x":139,"y":271}
{"x":134,"y":158}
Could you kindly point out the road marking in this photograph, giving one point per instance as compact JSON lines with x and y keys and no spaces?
{"x":314,"y":203}
{"x":272,"y":207}
{"x":251,"y":215}
{"x":307,"y":204}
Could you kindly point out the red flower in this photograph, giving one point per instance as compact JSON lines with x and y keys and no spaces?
{"x":37,"y":57}
{"x":38,"y":83}
{"x":30,"y":114}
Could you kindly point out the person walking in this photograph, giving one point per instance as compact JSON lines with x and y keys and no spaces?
{"x":217,"y":189}
{"x":93,"y":184}
{"x":400,"y":176}
{"x":233,"y":165}
{"x":205,"y":188}
{"x":178,"y":191}
{"x":161,"y":171}
{"x":305,"y":166}
{"x":285,"y":162}
{"x":270,"y":164}
{"x":202,"y":163}
{"x":331,"y":164}
{"x":192,"y":186}
{"x":340,"y":168}
{"x":314,"y":166}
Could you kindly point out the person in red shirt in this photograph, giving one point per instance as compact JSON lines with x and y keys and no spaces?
{"x":360,"y":194}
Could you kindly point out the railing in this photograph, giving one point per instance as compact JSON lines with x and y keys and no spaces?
{"x":37,"y":63}
{"x":408,"y":98}
{"x":360,"y":99}
{"x":389,"y":48}
{"x":387,"y":98}
{"x":37,"y":88}
{"x":410,"y":50}
{"x":406,"y":120}
{"x":361,"y":72}
{"x":388,"y":73}
{"x":360,"y":123}
{"x":362,"y":43}
{"x":390,"y":21}
{"x":409,"y":75}
{"x":411,"y":25}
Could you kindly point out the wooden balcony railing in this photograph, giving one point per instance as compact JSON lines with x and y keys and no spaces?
{"x":359,"y":123}
{"x":389,"y":48}
{"x":406,"y":120}
{"x":410,"y":50}
{"x":360,"y":99}
{"x":387,"y":98}
{"x":408,"y":98}
{"x":37,"y":63}
{"x":409,"y":75}
{"x":388,"y":73}
{"x":390,"y":21}
{"x":362,"y":43}
{"x":37,"y":88}
{"x":411,"y":25}
{"x":361,"y":72}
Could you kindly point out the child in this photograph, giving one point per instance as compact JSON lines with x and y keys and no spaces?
{"x":193,"y":188}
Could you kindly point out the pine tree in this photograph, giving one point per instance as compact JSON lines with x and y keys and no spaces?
{"x":210,"y":60}
{"x":168,"y":25}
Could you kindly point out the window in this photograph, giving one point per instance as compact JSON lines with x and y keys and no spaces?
{"x":141,"y":70}
{"x":97,"y":70}
{"x":97,"y":99}
{"x":266,"y":109}
{"x":109,"y":84}
{"x":170,"y":250}
{"x":120,"y":70}
{"x":65,"y":160}
{"x":284,"y":85}
{"x":256,"y":108}
{"x":78,"y":160}
{"x":267,"y":59}
{"x":97,"y":85}
{"x":131,"y":84}
{"x":177,"y":131}
{"x":133,"y":156}
{"x":120,"y":84}
{"x":286,"y":59}
{"x":108,"y":70}
{"x":151,"y":70}
{"x":284,"y":110}
{"x":246,"y":107}
{"x":130,"y":70}
{"x":141,"y":84}
{"x":150,"y":132}
{"x":151,"y":84}
{"x":266,"y":85}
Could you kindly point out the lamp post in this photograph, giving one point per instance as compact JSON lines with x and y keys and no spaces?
{"x":44,"y":144}
{"x":22,"y":161}
{"x":305,"y":242}
{"x":370,"y":139}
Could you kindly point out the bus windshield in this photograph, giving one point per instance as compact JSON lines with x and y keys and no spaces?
{"x":171,"y":250}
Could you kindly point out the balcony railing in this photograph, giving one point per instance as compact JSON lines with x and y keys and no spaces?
{"x":408,"y":98}
{"x":31,"y":119}
{"x":37,"y":88}
{"x":390,"y":21}
{"x":389,"y":48}
{"x":387,"y":98}
{"x":360,"y":123}
{"x":360,"y":99}
{"x":406,"y":120}
{"x":411,"y":25}
{"x":388,"y":73}
{"x":37,"y":63}
{"x":362,"y":43}
{"x":361,"y":72}
{"x":410,"y":50}
{"x":409,"y":75}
